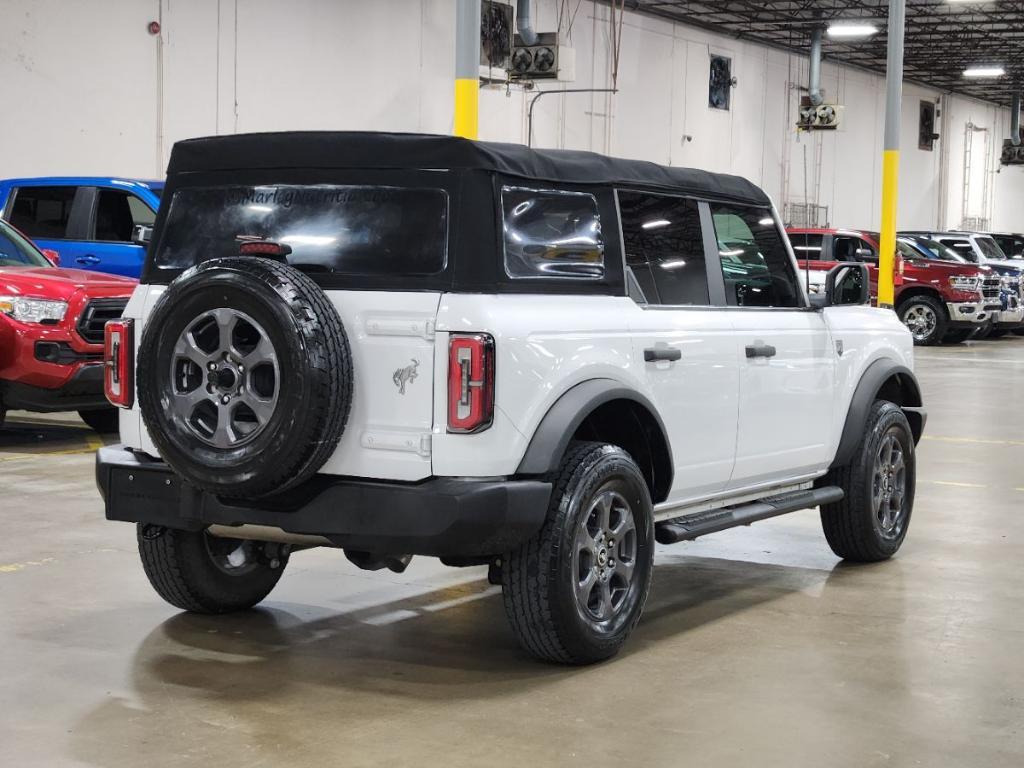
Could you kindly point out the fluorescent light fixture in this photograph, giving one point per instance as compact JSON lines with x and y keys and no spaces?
{"x":673,"y":264}
{"x":851,"y":29}
{"x":994,"y":71}
{"x":655,"y":224}
{"x":308,"y":239}
{"x":766,"y":221}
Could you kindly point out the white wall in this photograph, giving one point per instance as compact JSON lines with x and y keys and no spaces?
{"x":100,"y":95}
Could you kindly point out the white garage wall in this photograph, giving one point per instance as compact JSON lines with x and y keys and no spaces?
{"x":100,"y":95}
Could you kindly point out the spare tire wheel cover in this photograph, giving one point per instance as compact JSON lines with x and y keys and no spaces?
{"x":244,"y":377}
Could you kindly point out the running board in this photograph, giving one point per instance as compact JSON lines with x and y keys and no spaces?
{"x":712,"y":521}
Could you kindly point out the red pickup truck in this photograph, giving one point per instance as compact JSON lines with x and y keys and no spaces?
{"x":51,"y":332}
{"x":937,"y":300}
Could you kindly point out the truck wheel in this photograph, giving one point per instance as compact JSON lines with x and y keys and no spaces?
{"x":997,"y":333}
{"x":1019,"y":331}
{"x":574,"y":592}
{"x":197,"y":572}
{"x":105,"y":421}
{"x":984,"y":330}
{"x":958,"y":336}
{"x":926,"y":318}
{"x":244,"y":377}
{"x":871,"y":520}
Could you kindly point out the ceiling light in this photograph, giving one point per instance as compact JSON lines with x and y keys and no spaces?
{"x":851,"y":29}
{"x":984,"y":72}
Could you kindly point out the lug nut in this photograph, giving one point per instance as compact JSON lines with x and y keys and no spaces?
{"x":212,"y":366}
{"x":225,"y":400}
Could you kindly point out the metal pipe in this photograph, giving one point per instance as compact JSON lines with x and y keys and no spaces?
{"x":529,"y":120}
{"x":524,"y":25}
{"x":467,"y":68}
{"x":268,"y":533}
{"x":891,"y":156}
{"x":814,"y":69}
{"x":1015,"y":120}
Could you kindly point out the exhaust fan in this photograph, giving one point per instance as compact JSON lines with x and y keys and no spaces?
{"x":495,"y":39}
{"x":823,"y":117}
{"x":1012,"y":155}
{"x":544,"y":60}
{"x":720,"y":83}
{"x":926,"y":127}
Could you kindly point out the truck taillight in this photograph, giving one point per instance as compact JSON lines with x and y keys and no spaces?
{"x":898,"y":270}
{"x":470,"y":382}
{"x":119,"y":362}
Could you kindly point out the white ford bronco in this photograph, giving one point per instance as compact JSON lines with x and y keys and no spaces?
{"x":540,"y":361}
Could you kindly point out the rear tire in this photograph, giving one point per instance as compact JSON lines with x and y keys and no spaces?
{"x":926,"y":318}
{"x":575,"y":591}
{"x":871,"y":521}
{"x":200,"y":573}
{"x":105,"y":421}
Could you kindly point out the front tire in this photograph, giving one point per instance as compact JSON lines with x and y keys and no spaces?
{"x":958,"y":336}
{"x":200,"y":573}
{"x":105,"y":421}
{"x":575,"y":591}
{"x":871,"y":520}
{"x":997,"y":333}
{"x":925,"y":316}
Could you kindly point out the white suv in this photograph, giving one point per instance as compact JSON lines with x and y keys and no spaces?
{"x":542,"y":361}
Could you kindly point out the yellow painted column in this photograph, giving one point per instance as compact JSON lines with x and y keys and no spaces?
{"x":887,"y":240}
{"x":467,"y":107}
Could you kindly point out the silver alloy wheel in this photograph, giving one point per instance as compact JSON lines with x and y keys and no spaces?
{"x":604,"y":556}
{"x":225,"y":378}
{"x":889,"y":487}
{"x":921,"y":320}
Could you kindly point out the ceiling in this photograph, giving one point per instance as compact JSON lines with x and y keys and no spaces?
{"x":942,"y":38}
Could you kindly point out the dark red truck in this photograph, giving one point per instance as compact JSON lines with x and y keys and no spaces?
{"x":51,"y":333}
{"x":937,"y":300}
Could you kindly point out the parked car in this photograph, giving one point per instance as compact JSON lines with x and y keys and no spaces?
{"x":1011,"y":244}
{"x":542,"y":361}
{"x":51,"y":333}
{"x":93,"y":223}
{"x":937,"y":300}
{"x":975,"y":248}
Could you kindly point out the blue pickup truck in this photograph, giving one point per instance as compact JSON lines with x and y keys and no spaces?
{"x":97,"y":223}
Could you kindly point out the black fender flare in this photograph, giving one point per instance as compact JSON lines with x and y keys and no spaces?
{"x":551,"y":438}
{"x":870,"y":384}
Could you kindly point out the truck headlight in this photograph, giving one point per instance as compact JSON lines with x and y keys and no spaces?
{"x":965,"y":282}
{"x":26,"y":309}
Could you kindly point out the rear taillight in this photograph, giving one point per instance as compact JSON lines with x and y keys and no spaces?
{"x":118,"y":362}
{"x":470,"y":382}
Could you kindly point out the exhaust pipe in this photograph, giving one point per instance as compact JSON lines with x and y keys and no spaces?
{"x":524,"y":26}
{"x":814,"y":69}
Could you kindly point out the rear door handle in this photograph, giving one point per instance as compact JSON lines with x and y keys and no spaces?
{"x":760,"y":350}
{"x":88,"y":259}
{"x":662,"y":353}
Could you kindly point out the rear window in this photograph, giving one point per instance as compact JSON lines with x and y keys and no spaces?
{"x":43,"y":212}
{"x":365,"y":230}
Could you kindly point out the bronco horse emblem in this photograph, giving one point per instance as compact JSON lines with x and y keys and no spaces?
{"x":405,"y":376}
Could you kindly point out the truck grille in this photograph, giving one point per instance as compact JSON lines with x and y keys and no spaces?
{"x":95,"y":316}
{"x":990,"y":287}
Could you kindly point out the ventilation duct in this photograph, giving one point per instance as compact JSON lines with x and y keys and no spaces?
{"x":524,"y":26}
{"x":814,"y":69}
{"x":1015,"y":120}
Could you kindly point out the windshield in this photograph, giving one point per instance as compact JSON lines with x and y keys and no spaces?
{"x":16,"y":251}
{"x":366,"y":230}
{"x":933,"y":249}
{"x":990,"y":248}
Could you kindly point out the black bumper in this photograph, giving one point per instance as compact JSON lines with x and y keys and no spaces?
{"x":443,"y":517}
{"x":83,"y":392}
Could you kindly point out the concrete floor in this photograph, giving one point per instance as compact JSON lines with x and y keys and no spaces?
{"x":758,"y":648}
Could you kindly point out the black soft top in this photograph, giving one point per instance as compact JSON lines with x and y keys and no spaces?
{"x":361,"y":149}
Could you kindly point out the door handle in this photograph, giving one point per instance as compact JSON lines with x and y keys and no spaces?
{"x":88,"y":259}
{"x":760,"y":350}
{"x":661,"y":353}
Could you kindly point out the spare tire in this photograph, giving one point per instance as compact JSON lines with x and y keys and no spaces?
{"x":244,"y":377}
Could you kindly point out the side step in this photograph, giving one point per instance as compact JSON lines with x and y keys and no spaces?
{"x":701,"y":523}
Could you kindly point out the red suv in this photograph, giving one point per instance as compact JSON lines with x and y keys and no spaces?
{"x":51,"y":333}
{"x":937,"y":300}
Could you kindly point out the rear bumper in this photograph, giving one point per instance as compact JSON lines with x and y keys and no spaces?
{"x":443,"y":517}
{"x":82,"y":391}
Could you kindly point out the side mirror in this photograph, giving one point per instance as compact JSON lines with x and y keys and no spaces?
{"x":142,"y":234}
{"x":845,"y":285}
{"x":52,"y":256}
{"x":866,"y":254}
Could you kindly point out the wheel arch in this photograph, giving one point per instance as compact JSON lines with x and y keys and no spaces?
{"x":914,"y":291}
{"x":603,"y":409}
{"x":884,"y":379}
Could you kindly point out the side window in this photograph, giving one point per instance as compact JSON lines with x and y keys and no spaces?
{"x":550,"y":233}
{"x":755,"y":263}
{"x":664,"y":247}
{"x":963,"y":247}
{"x":117,"y":215}
{"x":43,"y":212}
{"x":807,"y":246}
{"x":844,"y":248}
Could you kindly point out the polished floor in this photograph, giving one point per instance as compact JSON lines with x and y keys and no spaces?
{"x":758,"y":647}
